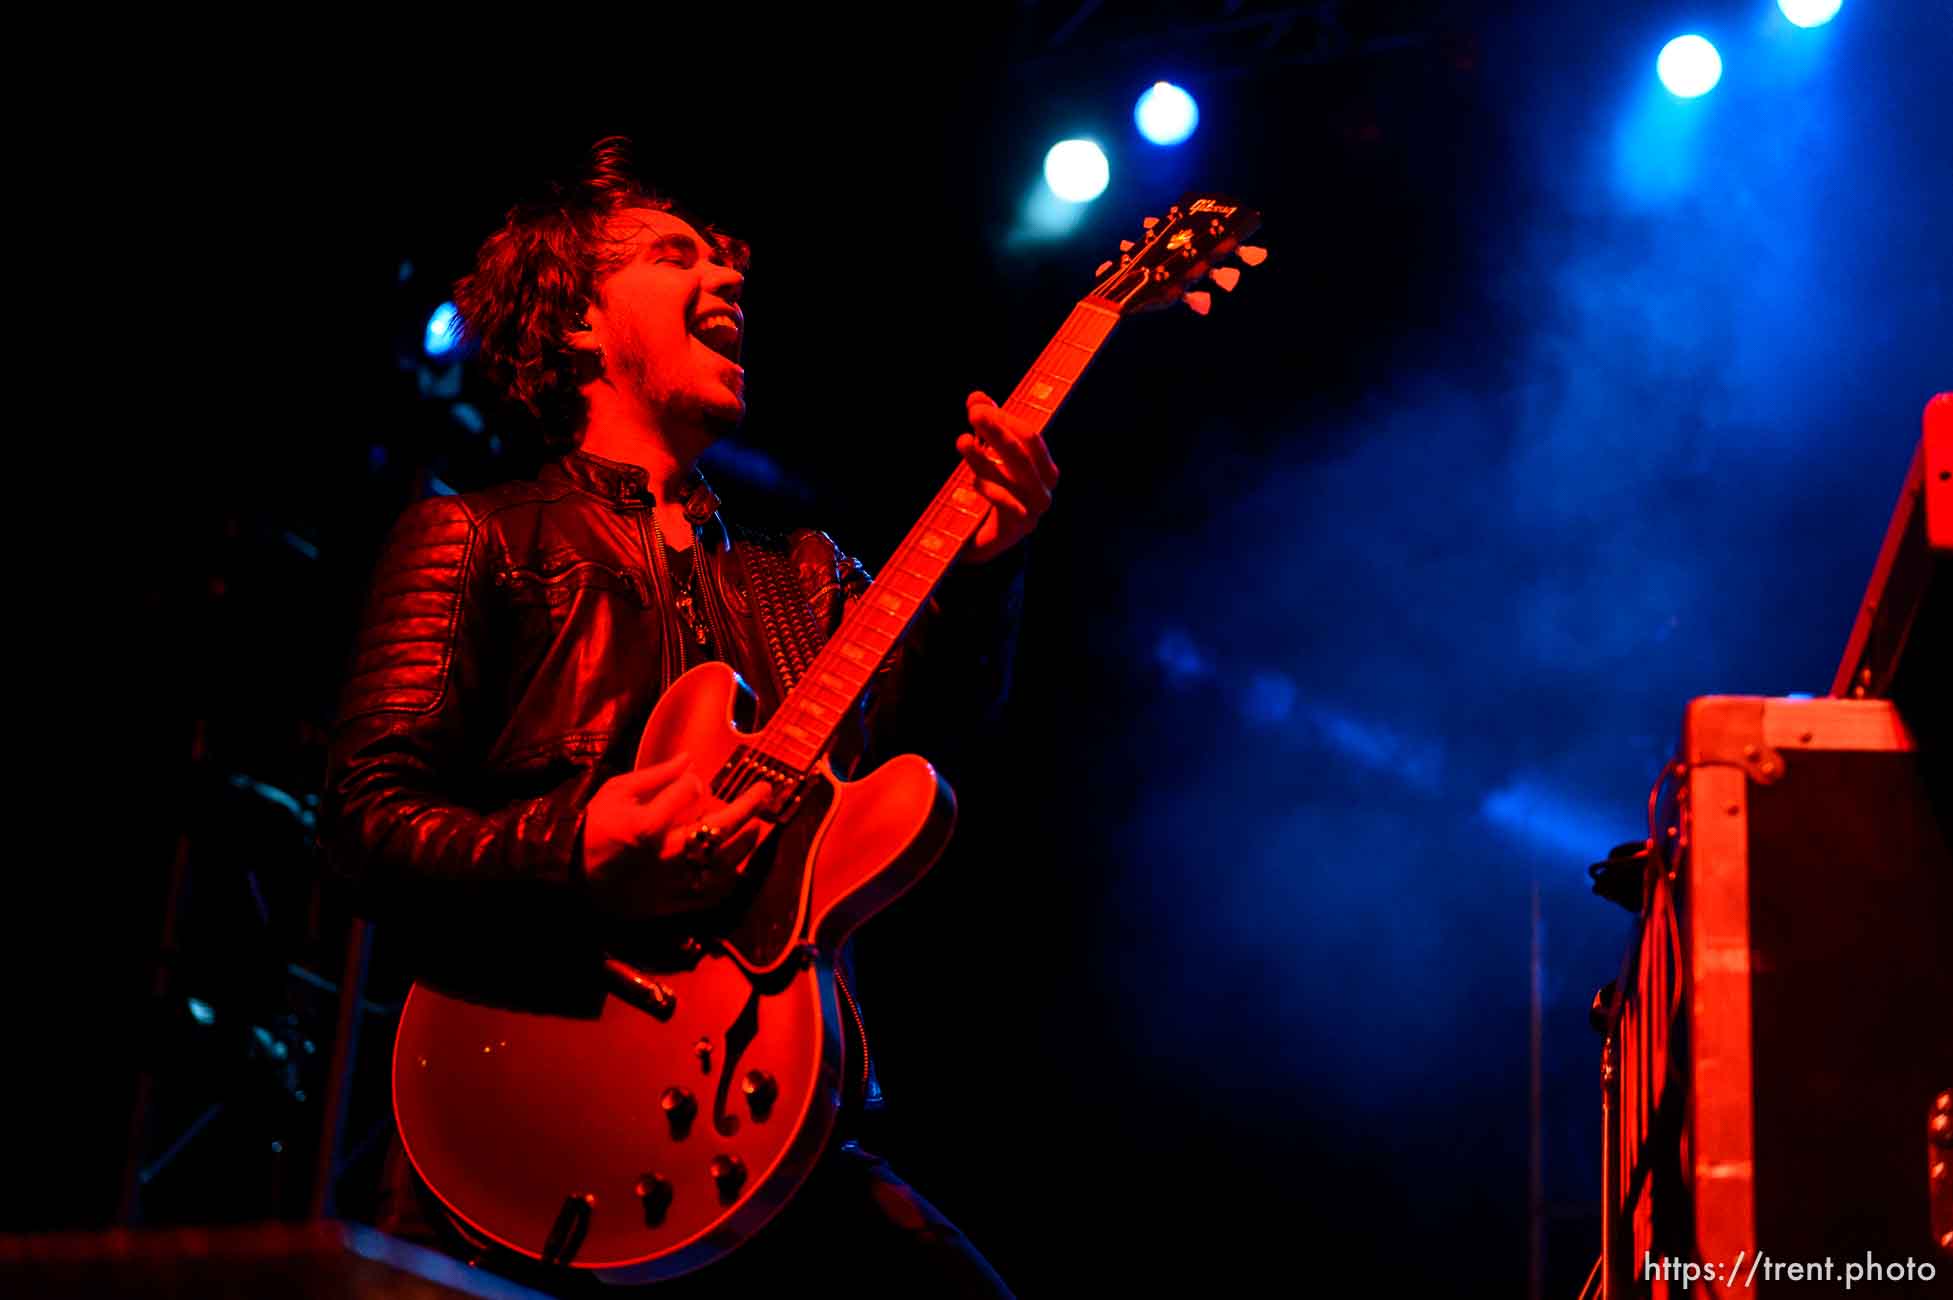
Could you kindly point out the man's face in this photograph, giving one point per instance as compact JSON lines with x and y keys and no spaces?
{"x":670,"y":324}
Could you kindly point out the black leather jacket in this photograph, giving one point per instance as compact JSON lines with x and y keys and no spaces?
{"x":513,"y":645}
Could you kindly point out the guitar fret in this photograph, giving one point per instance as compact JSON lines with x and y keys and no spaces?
{"x":809,"y":731}
{"x":888,"y":583}
{"x":851,"y":675}
{"x":877,"y":618}
{"x":949,"y":521}
{"x":767,"y":745}
{"x":859,"y":669}
{"x":846,"y":698}
{"x":859,"y":629}
{"x":917,"y":585}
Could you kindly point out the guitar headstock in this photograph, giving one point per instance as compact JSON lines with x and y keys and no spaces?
{"x":1195,"y":235}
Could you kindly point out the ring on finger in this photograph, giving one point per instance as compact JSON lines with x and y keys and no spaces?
{"x":701,"y":843}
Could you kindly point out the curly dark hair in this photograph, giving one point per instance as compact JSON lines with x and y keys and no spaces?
{"x":533,"y":277}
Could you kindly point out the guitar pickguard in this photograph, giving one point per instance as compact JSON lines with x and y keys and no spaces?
{"x":774,"y":908}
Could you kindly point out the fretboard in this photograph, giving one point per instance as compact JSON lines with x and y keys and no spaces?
{"x":824,"y":698}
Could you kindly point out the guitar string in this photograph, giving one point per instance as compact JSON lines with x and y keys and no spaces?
{"x":1069,"y":334}
{"x":772,"y":742}
{"x":1075,"y":329}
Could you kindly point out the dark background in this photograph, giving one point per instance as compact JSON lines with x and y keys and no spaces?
{"x":1369,"y":603}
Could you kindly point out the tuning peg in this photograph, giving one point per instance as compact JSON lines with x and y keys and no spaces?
{"x":1251,"y":255}
{"x":1103,"y":268}
{"x":1200,"y":302}
{"x":1125,"y":245}
{"x":1150,"y":222}
{"x":1225,"y":276}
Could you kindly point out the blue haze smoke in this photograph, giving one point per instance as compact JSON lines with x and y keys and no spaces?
{"x":1459,"y":649}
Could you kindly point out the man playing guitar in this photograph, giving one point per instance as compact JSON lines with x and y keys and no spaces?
{"x":481,"y":793}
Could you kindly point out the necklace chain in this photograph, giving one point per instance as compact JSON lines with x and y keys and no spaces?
{"x":687,"y":605}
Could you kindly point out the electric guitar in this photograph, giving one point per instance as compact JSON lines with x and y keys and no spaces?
{"x":657,"y":1134}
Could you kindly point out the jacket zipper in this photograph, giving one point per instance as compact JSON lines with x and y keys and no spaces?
{"x":667,"y":612}
{"x":711,"y":593}
{"x":860,"y":1029}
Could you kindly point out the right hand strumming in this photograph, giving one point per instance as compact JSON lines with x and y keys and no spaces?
{"x":640,"y":830}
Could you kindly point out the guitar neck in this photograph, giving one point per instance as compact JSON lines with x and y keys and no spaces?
{"x":807,"y":721}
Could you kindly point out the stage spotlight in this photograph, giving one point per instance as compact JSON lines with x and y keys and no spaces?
{"x":1166,"y":114}
{"x":443,"y":331}
{"x":1076,"y":170}
{"x":1689,"y":66}
{"x":1810,"y":13}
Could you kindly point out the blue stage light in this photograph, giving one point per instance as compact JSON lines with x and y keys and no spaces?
{"x":1166,"y":114}
{"x":1076,"y":170}
{"x":1689,"y":66}
{"x":443,"y":330}
{"x":1810,"y":13}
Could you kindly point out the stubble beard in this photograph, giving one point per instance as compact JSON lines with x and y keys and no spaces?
{"x":672,"y":395}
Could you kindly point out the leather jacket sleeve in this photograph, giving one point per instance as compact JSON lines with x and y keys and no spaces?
{"x":947,"y":682}
{"x":402,"y":815}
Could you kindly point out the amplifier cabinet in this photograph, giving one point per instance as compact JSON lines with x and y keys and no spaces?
{"x":1783,"y":1031}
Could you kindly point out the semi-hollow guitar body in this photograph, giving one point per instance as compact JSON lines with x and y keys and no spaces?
{"x":658,"y":1130}
{"x":655,"y":1136}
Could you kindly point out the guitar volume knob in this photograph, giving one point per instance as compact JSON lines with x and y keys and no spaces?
{"x":680,"y":1110}
{"x":761,"y":1092}
{"x":655,"y":1194}
{"x":728,"y":1175}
